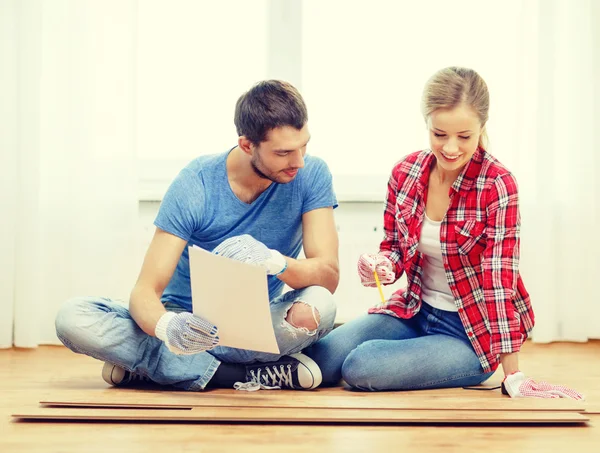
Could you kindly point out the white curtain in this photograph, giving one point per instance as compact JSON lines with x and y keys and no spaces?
{"x":557,"y":164}
{"x":69,"y":184}
{"x":69,"y":92}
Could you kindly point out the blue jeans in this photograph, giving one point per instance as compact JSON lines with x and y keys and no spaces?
{"x":105,"y":330}
{"x":381,"y":352}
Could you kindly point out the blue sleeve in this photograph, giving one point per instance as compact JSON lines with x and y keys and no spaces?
{"x":318,"y":188}
{"x":180,"y":212}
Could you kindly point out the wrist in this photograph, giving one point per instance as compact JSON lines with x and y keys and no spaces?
{"x":510,"y":363}
{"x":280,"y":264}
{"x":285,"y":266}
{"x":506,"y":375}
{"x":511,"y":384}
{"x":161,"y":326}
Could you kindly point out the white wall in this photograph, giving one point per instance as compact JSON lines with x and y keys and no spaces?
{"x":360,"y":231}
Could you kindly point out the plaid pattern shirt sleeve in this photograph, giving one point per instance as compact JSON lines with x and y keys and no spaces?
{"x":500,"y":264}
{"x":390,"y":247}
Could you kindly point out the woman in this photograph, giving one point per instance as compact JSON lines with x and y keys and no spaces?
{"x":452,"y":224}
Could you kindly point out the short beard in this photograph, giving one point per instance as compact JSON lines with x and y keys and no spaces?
{"x":260,"y":173}
{"x":254,"y":163}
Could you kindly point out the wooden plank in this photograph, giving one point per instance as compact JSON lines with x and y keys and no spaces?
{"x":337,"y":400}
{"x":306,"y":415}
{"x":29,"y":375}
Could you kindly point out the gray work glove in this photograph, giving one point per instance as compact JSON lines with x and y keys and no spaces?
{"x":248,"y":250}
{"x":186,"y":334}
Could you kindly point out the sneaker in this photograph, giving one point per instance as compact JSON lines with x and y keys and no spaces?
{"x":295,"y":372}
{"x":119,"y":377}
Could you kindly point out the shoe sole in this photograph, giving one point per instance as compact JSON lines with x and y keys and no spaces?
{"x":312,"y":368}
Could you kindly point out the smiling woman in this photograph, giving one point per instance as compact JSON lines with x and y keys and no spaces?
{"x":452,"y":224}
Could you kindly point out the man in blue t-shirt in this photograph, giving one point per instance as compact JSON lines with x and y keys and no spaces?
{"x":261,"y":202}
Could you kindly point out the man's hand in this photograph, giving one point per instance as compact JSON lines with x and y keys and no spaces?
{"x":371,"y":262}
{"x":248,"y":250}
{"x":186,"y":334}
{"x":517,"y":385}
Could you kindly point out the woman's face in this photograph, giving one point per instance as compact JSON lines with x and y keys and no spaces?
{"x":454,"y":135}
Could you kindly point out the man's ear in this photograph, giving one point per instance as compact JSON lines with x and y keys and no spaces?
{"x":245,"y":145}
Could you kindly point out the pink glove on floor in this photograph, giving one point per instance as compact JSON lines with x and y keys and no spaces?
{"x":517,"y":385}
{"x":370,"y":262}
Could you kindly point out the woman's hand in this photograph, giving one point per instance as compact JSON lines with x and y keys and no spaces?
{"x":373,"y":262}
{"x":517,"y":385}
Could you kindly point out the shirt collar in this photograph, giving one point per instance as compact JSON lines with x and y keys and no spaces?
{"x":465,"y":180}
{"x":469,"y":174}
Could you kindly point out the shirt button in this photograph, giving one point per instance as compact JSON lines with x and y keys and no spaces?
{"x":470,"y":334}
{"x":461,"y":311}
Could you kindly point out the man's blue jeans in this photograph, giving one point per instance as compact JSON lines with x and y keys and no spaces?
{"x":105,"y":330}
{"x":381,"y":352}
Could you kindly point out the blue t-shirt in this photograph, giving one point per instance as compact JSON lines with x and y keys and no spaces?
{"x":201,"y":208}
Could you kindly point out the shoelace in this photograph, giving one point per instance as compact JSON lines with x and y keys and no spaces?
{"x":272,"y":379}
{"x":139,"y":377}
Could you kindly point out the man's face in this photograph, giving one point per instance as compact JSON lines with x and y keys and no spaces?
{"x":281,"y":155}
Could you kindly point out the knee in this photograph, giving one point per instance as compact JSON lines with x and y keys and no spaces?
{"x":303,"y":316}
{"x":328,"y":309}
{"x":359,"y":370}
{"x":314,"y":312}
{"x":66,"y":317}
{"x":76,"y":321}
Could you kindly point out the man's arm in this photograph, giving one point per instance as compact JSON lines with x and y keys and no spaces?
{"x":159,"y":264}
{"x":320,"y":242}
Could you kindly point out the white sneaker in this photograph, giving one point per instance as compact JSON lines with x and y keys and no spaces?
{"x":119,"y":377}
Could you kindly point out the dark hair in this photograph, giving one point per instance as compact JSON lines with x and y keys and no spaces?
{"x":267,"y":105}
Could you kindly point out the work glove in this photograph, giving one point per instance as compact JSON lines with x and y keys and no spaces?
{"x":248,"y":250}
{"x":371,"y":262}
{"x":186,"y":334}
{"x":517,"y":385}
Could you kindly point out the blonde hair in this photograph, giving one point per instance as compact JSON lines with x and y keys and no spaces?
{"x":450,"y":87}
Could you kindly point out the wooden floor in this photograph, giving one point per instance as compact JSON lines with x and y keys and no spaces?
{"x":52,"y":373}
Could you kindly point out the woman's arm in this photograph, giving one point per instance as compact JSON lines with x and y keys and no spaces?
{"x":390,"y":247}
{"x":510,"y":363}
{"x":500,"y":266}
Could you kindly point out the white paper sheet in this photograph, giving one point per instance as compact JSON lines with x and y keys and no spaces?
{"x":234,"y":296}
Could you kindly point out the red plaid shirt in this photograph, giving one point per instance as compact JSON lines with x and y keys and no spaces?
{"x":480,"y":249}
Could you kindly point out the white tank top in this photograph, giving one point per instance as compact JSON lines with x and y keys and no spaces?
{"x":435,"y":291}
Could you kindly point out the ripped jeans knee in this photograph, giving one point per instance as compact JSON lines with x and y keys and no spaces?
{"x":304,"y":317}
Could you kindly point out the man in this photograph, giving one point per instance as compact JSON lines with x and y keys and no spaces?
{"x":260,"y":202}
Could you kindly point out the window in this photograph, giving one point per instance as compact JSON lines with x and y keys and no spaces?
{"x":364,"y":68}
{"x":189,"y":76}
{"x":360,"y":65}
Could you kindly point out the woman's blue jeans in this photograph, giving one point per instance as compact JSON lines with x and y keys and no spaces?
{"x":381,"y":352}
